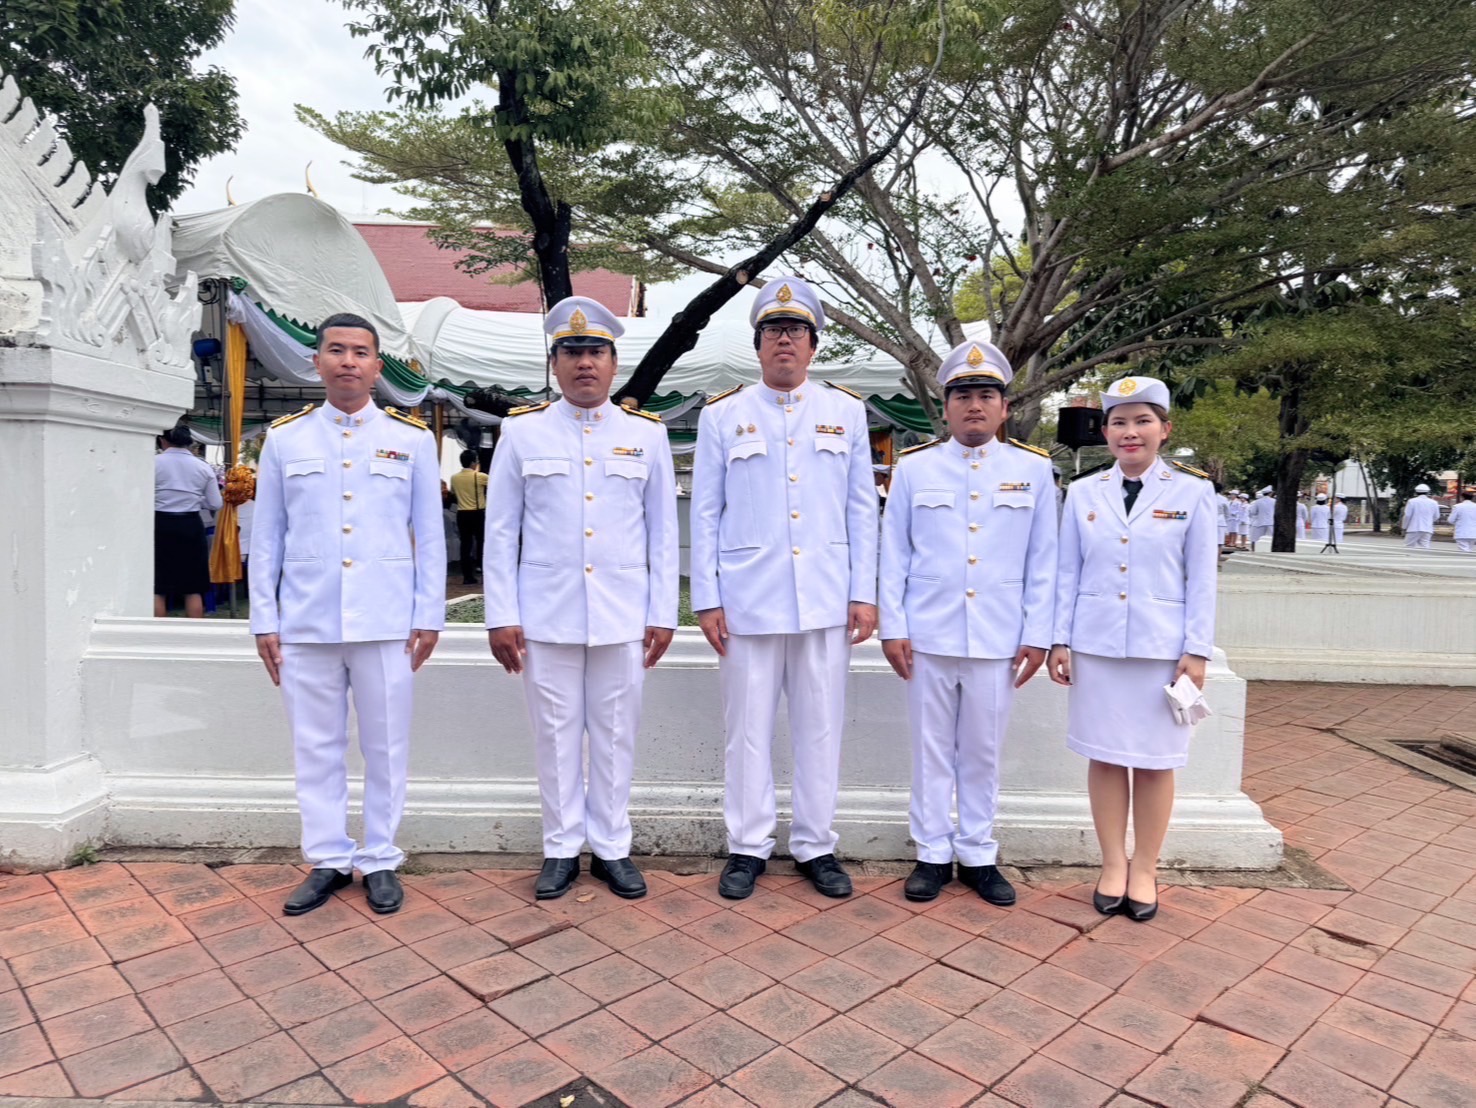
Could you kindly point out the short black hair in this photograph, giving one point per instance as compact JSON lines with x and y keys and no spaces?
{"x":347,"y":319}
{"x":178,"y":436}
{"x":1467,"y":495}
{"x":467,"y":458}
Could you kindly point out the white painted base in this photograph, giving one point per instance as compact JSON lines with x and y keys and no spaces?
{"x":1392,"y":630}
{"x":196,"y":749}
{"x":47,"y":812}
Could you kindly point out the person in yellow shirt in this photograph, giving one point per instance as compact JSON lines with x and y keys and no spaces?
{"x":469,"y":487}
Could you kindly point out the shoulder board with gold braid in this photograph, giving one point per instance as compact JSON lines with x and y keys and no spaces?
{"x":848,"y":392}
{"x":1032,"y":449}
{"x":286,"y":419}
{"x":919,"y":446}
{"x":395,"y":413}
{"x":642,"y":413}
{"x":528,"y":408}
{"x":722,"y":395}
{"x":1189,"y":469}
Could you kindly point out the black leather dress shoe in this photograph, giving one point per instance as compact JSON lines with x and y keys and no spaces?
{"x":989,"y":883}
{"x":826,"y":875}
{"x":740,"y":874}
{"x":383,"y":891}
{"x":927,"y":880}
{"x":315,"y":891}
{"x":556,"y":877}
{"x":621,"y":875}
{"x":1108,"y":905}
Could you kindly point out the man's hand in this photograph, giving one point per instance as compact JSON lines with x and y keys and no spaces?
{"x":899,"y":653}
{"x":1193,"y":665}
{"x":1058,"y":665}
{"x":714,"y":625}
{"x":269,"y":649}
{"x":420,"y":646}
{"x":1028,"y":659}
{"x":657,"y":640}
{"x":508,"y":647}
{"x":860,"y":622}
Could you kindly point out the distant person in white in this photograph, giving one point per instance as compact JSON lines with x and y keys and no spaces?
{"x":1463,"y":518}
{"x":1262,"y":516}
{"x":1321,"y":517}
{"x":1420,"y":514}
{"x":184,"y":486}
{"x":1339,"y":518}
{"x":1302,"y":516}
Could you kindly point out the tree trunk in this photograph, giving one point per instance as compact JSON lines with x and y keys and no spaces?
{"x":551,"y":221}
{"x":1290,"y":466}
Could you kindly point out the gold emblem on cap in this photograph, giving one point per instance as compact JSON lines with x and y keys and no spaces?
{"x":1127,"y":387}
{"x":976,"y":357}
{"x":784,"y":295}
{"x":578,"y":322}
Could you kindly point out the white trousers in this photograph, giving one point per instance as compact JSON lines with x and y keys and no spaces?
{"x":959,"y":708}
{"x":1319,"y":534}
{"x":1418,"y":539}
{"x":316,"y":679}
{"x":1468,"y":545}
{"x":810,"y":669}
{"x":574,"y":691}
{"x":1337,"y":533}
{"x":1258,"y":532}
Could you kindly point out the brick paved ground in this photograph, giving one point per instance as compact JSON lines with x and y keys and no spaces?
{"x":166,"y":982}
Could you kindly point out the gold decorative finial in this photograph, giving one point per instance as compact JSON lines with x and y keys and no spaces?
{"x":578,"y":322}
{"x":784,"y":295}
{"x":230,"y":200}
{"x":976,"y":356}
{"x":307,"y":177}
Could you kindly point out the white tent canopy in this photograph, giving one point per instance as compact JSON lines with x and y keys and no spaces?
{"x":465,"y":346}
{"x":298,"y":256}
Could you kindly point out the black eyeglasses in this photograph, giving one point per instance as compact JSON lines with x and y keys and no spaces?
{"x":795,"y":331}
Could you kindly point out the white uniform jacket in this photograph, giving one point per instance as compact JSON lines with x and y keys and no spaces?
{"x":1263,"y":512}
{"x":968,"y":558}
{"x":1140,"y":586}
{"x":1463,"y":519}
{"x":784,"y":509}
{"x":1321,"y":516}
{"x":581,"y":542}
{"x":347,"y":540}
{"x":1420,"y":513}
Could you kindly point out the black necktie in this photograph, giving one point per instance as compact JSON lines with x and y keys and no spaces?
{"x":1130,"y":490}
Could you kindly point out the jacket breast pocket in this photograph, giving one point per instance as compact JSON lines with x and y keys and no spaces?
{"x":380,"y":467}
{"x":303,"y":467}
{"x":1014,"y":500}
{"x":753,"y":448}
{"x":622,"y":467}
{"x":932,"y":498}
{"x":546,"y":467}
{"x":832,"y":444}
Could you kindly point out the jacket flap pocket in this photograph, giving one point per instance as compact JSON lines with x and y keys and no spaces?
{"x":622,"y":467}
{"x":389,"y":469}
{"x":836,"y":444}
{"x":1014,"y":500}
{"x":932,"y":498}
{"x":747,"y":449}
{"x":302,"y":466}
{"x":545,"y":467}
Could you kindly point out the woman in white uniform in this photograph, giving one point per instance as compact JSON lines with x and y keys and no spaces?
{"x":1135,"y":609}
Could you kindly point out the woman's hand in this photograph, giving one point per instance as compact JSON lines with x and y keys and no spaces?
{"x":1058,"y":664}
{"x":1193,"y":665}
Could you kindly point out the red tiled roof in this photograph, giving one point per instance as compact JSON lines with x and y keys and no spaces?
{"x":417,"y":270}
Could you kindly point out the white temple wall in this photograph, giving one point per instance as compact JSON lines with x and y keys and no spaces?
{"x":194,"y":744}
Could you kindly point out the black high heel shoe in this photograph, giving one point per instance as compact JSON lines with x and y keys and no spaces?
{"x":1139,"y":912}
{"x":1108,"y":905}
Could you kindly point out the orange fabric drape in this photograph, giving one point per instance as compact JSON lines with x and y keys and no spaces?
{"x":225,"y":555}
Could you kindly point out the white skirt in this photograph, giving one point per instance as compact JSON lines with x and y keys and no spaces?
{"x":1117,"y":712}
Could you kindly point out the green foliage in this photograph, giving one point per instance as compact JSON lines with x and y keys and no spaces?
{"x":84,"y":854}
{"x":97,"y":64}
{"x":1231,"y":432}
